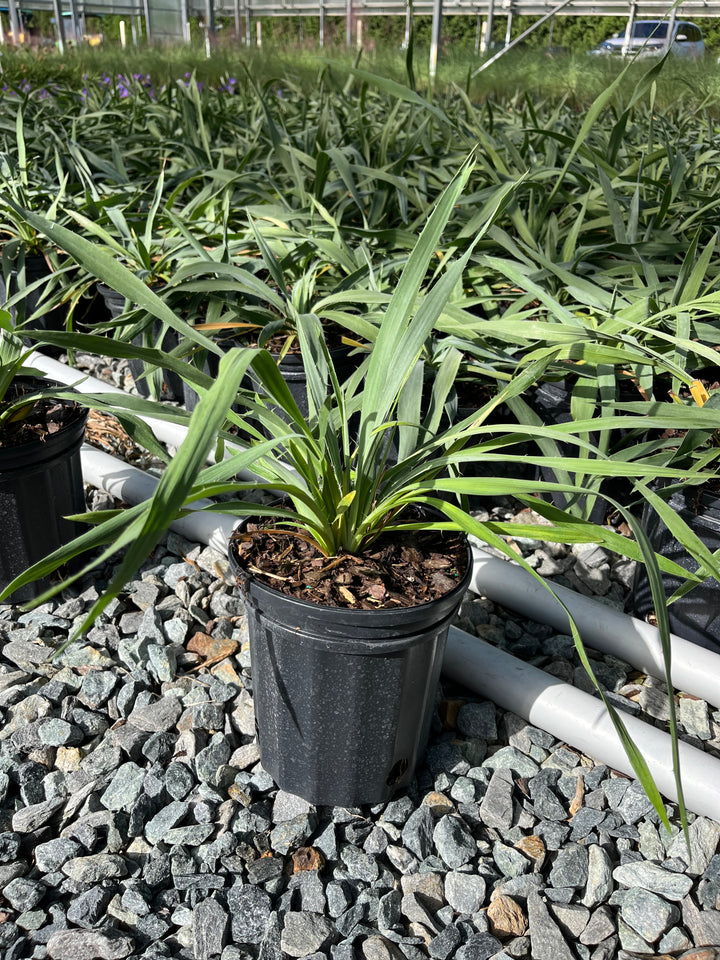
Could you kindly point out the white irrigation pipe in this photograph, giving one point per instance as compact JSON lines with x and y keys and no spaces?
{"x":580,"y":720}
{"x":567,"y":713}
{"x":172,"y":434}
{"x":128,"y":483}
{"x":695,"y":670}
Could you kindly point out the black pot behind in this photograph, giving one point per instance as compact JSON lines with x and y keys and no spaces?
{"x":36,"y":268}
{"x":40,"y":484}
{"x":343,"y":698}
{"x":172,"y":383}
{"x":551,"y":401}
{"x":696,"y":616}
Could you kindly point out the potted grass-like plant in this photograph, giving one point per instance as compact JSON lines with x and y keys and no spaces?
{"x":40,"y":476}
{"x":683,"y":519}
{"x":343,"y":705}
{"x":259,"y":298}
{"x":31,"y":284}
{"x":148,"y":245}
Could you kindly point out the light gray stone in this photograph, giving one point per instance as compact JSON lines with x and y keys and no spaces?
{"x":453,"y":841}
{"x":514,"y":760}
{"x":250,"y":913}
{"x":51,"y":856}
{"x":30,"y":818}
{"x":306,"y":933}
{"x":510,"y":861}
{"x":89,"y":945}
{"x":417,"y":834}
{"x":124,"y":788}
{"x":59,"y":733}
{"x":210,"y":922}
{"x":599,"y":884}
{"x":465,"y":892}
{"x":648,"y":914}
{"x":704,"y":836}
{"x":547,"y":941}
{"x":702,"y":925}
{"x":631,"y":940}
{"x":649,"y":876}
{"x":95,"y":868}
{"x":572,"y":917}
{"x":159,"y":716}
{"x":166,"y":818}
{"x":209,"y":760}
{"x":695,"y":717}
{"x":496,"y":808}
{"x":601,"y":925}
{"x":571,"y":867}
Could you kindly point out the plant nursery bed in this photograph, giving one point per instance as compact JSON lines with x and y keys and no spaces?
{"x":137,"y":821}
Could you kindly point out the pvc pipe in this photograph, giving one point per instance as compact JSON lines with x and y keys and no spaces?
{"x":172,"y":434}
{"x":567,"y":713}
{"x":694,"y":669}
{"x":579,"y":719}
{"x":128,"y":483}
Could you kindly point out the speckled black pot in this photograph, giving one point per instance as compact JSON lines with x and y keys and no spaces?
{"x":172,"y":383}
{"x":40,"y":484}
{"x":551,"y":401}
{"x":291,"y":367}
{"x":36,"y":268}
{"x":343,"y":698}
{"x":696,"y":616}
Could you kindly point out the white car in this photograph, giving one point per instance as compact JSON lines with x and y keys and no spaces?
{"x":649,"y":39}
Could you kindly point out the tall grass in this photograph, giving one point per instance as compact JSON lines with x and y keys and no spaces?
{"x":576,"y":78}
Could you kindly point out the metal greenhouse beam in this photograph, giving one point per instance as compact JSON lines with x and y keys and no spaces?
{"x":487,"y":40}
{"x":435,"y":38}
{"x":185,"y":21}
{"x":629,"y":29}
{"x":75,"y":21}
{"x":59,"y":26}
{"x":520,"y":37}
{"x":14,"y":22}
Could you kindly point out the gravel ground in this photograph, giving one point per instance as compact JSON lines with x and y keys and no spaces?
{"x":136,"y":820}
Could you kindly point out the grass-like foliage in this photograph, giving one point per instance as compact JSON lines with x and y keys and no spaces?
{"x":463,"y":243}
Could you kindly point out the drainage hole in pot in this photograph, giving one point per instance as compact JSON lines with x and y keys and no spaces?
{"x":397,"y":772}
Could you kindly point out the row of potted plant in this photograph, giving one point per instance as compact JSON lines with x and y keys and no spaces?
{"x":479,"y":299}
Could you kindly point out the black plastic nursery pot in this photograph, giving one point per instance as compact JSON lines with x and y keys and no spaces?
{"x":343,"y":698}
{"x":696,"y":616}
{"x":293,"y":373}
{"x":40,"y":484}
{"x":551,"y":400}
{"x":172,"y":383}
{"x":291,"y":367}
{"x":36,"y":268}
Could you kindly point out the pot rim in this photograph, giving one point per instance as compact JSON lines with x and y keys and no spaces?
{"x":320,"y":611}
{"x":38,"y":451}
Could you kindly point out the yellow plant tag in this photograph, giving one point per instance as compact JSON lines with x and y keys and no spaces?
{"x":699,"y":393}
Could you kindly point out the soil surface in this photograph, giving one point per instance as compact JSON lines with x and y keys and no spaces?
{"x":45,"y":418}
{"x":400,"y":569}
